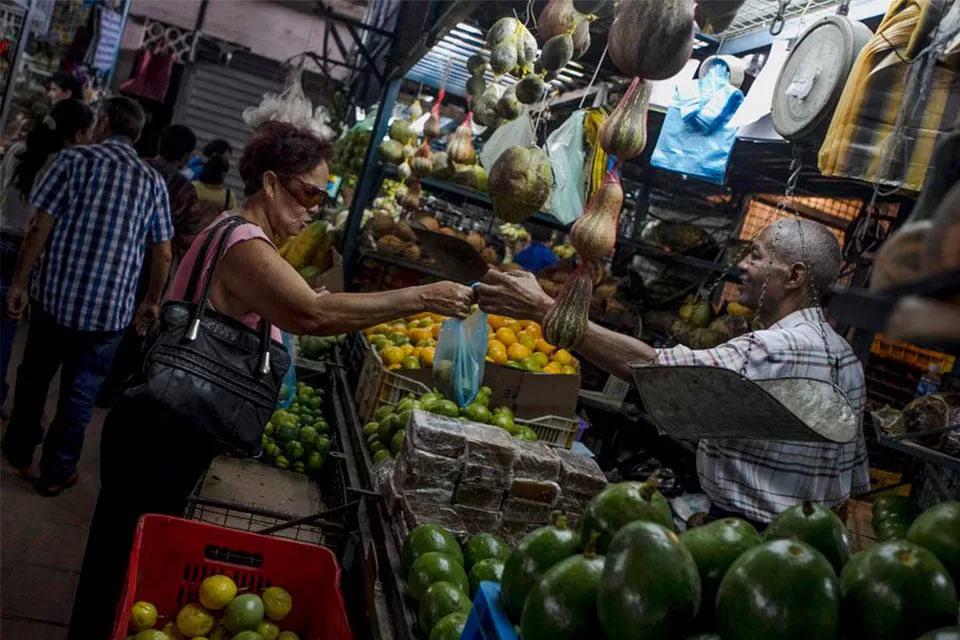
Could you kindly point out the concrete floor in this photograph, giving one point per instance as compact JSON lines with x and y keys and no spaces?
{"x":42,"y":541}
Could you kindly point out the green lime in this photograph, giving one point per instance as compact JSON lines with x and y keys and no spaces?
{"x":277,"y":603}
{"x":447,"y":408}
{"x":370,"y":428}
{"x":293,"y":451}
{"x":477,"y":413}
{"x":194,"y":621}
{"x":244,"y":613}
{"x":322,"y":427}
{"x":307,"y":435}
{"x":216,"y":592}
{"x":313,"y":461}
{"x":322,"y":443}
{"x":268,"y":630}
{"x":503,"y":421}
{"x":280,"y":462}
{"x":525,"y":433}
{"x":396,"y":442}
{"x":381,"y":455}
{"x":143,"y":615}
{"x":299,"y":467}
{"x":269,"y":429}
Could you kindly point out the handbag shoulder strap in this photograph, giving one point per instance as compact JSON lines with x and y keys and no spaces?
{"x":197,"y":272}
{"x":231,"y":223}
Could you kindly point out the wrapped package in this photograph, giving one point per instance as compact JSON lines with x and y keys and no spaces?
{"x":572,"y":506}
{"x":487,"y":477}
{"x":489,"y":446}
{"x":536,"y":461}
{"x":535,"y":490}
{"x":478,"y":497}
{"x":517,"y":510}
{"x":436,"y":434}
{"x":421,"y":509}
{"x":417,"y":468}
{"x":514,"y":532}
{"x":479,"y":520}
{"x":580,"y":474}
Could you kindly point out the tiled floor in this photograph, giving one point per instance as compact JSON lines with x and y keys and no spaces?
{"x":42,"y":542}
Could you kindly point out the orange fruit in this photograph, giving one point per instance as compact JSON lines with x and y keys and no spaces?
{"x":416,"y":335}
{"x":534,"y":329}
{"x":552,"y":367}
{"x":496,"y":351}
{"x":514,"y":326}
{"x":407,"y":349}
{"x":416,"y":352}
{"x":563,"y":357}
{"x":496,"y":321}
{"x":544,"y":347}
{"x":541,"y":358}
{"x":435,"y":331}
{"x":399,"y":327}
{"x":395,"y":365}
{"x":507,"y":336}
{"x":517,"y":351}
{"x":392,"y":355}
{"x":569,"y":369}
{"x":380,"y":329}
{"x":527,"y":340}
{"x":426,"y":356}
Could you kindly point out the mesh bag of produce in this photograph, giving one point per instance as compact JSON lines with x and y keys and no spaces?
{"x":460,"y":358}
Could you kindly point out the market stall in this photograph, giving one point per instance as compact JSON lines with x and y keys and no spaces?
{"x":476,"y":477}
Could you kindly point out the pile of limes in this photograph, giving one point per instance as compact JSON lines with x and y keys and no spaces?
{"x":221,"y":614}
{"x":297,"y":438}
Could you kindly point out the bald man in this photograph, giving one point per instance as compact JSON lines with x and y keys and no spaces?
{"x":787,"y":268}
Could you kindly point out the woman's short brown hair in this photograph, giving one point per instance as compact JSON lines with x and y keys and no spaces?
{"x":282,"y":148}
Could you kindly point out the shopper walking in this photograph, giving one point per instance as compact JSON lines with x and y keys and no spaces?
{"x":23,"y":167}
{"x":216,"y":147}
{"x":63,"y":86}
{"x":210,"y":185}
{"x":97,"y":209}
{"x":284,"y":170}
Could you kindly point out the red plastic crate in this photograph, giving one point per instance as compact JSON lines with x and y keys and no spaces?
{"x":172,"y":556}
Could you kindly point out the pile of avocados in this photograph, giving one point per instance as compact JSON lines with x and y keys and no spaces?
{"x":626,"y":575}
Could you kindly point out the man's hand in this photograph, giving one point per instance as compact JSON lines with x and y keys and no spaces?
{"x":17,"y":300}
{"x":145,"y":316}
{"x":515,"y":294}
{"x":448,"y":299}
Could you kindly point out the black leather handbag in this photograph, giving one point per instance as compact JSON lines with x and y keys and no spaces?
{"x":210,"y":372}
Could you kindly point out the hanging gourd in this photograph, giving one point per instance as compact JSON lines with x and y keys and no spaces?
{"x":594,"y":234}
{"x":460,"y":144}
{"x":566,"y":323}
{"x":652,"y":39}
{"x":422,"y":163}
{"x":624,"y":133}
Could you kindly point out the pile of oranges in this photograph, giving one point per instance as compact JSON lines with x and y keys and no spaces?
{"x":411,"y":344}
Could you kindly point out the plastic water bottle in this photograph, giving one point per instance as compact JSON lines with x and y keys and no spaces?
{"x":929,"y":382}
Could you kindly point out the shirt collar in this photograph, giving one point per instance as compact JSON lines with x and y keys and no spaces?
{"x":124,"y":140}
{"x":808,"y":314}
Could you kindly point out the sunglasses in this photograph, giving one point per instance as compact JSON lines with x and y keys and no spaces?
{"x":308,"y":196}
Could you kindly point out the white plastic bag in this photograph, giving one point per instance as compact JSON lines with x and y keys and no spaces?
{"x":515,"y":133}
{"x":291,"y":106}
{"x":565,"y":150}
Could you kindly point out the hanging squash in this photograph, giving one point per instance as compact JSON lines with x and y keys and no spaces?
{"x":422,"y":163}
{"x":565,"y":325}
{"x":624,"y":133}
{"x":520,"y":182}
{"x":652,"y":39}
{"x":460,"y":144}
{"x":594,"y":234}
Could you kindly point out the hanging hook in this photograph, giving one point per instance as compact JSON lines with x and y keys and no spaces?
{"x":776,"y":27}
{"x":844,"y":8}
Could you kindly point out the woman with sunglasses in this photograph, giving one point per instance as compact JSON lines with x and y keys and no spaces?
{"x":148,"y":465}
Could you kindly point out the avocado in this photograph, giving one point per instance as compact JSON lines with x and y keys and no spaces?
{"x":433,"y":567}
{"x":938,"y":530}
{"x":537,"y":551}
{"x":779,"y":590}
{"x":449,"y":627}
{"x":439,"y":601}
{"x":649,"y":587}
{"x":892,"y":517}
{"x":896,"y":590}
{"x":485,"y":570}
{"x":620,"y":504}
{"x":818,"y":527}
{"x":714,"y":547}
{"x":483,"y":546}
{"x":429,"y":537}
{"x":563,"y":604}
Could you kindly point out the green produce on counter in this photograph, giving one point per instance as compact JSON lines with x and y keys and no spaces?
{"x":819,"y":527}
{"x":563,"y":603}
{"x":650,"y":587}
{"x":433,"y":567}
{"x":896,"y":589}
{"x":317,"y":347}
{"x":715,"y":547}
{"x":297,"y":438}
{"x":450,"y":626}
{"x":534,"y":555}
{"x":440,"y":600}
{"x":779,"y":590}
{"x":426,"y":538}
{"x":484,"y":546}
{"x":892,"y":517}
{"x":488,"y":569}
{"x":938,"y":530}
{"x":620,"y":504}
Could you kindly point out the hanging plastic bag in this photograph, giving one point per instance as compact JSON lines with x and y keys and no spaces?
{"x":697,"y":136}
{"x":293,"y":106}
{"x":515,"y":133}
{"x":288,"y":390}
{"x":461,"y":357}
{"x":565,"y":150}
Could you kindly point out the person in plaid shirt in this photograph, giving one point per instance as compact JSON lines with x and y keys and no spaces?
{"x":98,"y":210}
{"x":788,"y":266}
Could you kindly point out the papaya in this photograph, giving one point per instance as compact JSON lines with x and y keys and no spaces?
{"x":429,"y":537}
{"x":938,"y":530}
{"x":439,"y":601}
{"x":563,"y":604}
{"x":303,"y":246}
{"x":947,"y":633}
{"x":450,"y":626}
{"x":533,"y":556}
{"x":818,"y":527}
{"x":433,"y":567}
{"x":485,"y":570}
{"x":778,"y":590}
{"x":649,"y":587}
{"x":896,"y":590}
{"x":714,"y":547}
{"x":620,"y":504}
{"x":483,"y":546}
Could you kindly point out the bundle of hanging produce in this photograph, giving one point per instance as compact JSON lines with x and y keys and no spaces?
{"x":564,"y":33}
{"x":461,"y":158}
{"x":647,"y":41}
{"x":520,"y":183}
{"x":513,"y":49}
{"x":565,"y":325}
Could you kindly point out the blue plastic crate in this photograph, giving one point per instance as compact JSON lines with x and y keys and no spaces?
{"x":488,"y":620}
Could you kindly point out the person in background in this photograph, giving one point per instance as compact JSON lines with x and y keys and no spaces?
{"x":96,"y":211}
{"x":789,"y":266}
{"x":537,"y":255}
{"x":217,"y":147}
{"x":23,"y":167}
{"x":154,"y":466}
{"x":64,"y":85}
{"x":210,"y":188}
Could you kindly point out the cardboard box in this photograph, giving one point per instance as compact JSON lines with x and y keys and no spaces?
{"x":531,"y":395}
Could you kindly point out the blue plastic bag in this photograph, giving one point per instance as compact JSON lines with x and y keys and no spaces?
{"x":288,"y":390}
{"x":697,"y":138}
{"x":461,"y":357}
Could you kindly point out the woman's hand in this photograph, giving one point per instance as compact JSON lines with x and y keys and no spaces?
{"x":448,"y":299}
{"x":515,"y":294}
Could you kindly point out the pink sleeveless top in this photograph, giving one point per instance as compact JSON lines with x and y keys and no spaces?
{"x":178,"y":287}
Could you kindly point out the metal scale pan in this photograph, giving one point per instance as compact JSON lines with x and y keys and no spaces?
{"x":689,"y":402}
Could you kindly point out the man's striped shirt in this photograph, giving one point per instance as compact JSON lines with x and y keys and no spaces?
{"x":763,"y":478}
{"x":109,"y":205}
